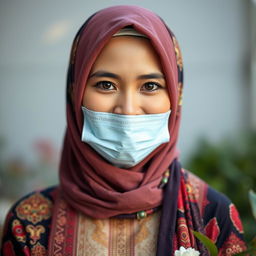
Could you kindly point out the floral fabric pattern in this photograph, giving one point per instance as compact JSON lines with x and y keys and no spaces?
{"x":34,"y":209}
{"x":27,"y":227}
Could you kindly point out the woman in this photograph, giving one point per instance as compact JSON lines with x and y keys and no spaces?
{"x":122,"y":190}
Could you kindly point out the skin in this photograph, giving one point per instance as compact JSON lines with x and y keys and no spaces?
{"x":127,"y":79}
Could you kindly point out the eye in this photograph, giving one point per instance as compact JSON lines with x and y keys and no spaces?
{"x":105,"y":85}
{"x":151,"y":86}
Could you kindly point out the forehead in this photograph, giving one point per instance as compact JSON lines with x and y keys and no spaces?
{"x":129,"y":51}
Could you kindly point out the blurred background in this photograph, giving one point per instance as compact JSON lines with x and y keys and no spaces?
{"x":217,"y":137}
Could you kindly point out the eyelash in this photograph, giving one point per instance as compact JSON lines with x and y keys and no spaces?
{"x":158,"y":86}
{"x":100,"y":85}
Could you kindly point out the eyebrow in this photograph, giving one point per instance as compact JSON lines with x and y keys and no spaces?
{"x":102,"y":73}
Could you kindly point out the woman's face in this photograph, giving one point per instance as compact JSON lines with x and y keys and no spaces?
{"x":127,"y":79}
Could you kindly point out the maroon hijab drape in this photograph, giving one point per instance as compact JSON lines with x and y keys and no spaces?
{"x":88,"y":182}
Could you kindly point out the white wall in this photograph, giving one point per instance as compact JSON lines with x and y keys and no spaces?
{"x":36,"y":37}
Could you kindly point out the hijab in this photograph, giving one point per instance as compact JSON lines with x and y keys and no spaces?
{"x":88,"y":182}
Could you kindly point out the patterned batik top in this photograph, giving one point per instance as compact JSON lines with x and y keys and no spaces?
{"x":29,"y":228}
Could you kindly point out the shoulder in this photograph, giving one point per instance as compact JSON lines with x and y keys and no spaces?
{"x":28,"y":221}
{"x":221,"y":219}
{"x":205,"y":195}
{"x":211,"y":202}
{"x":35,"y":206}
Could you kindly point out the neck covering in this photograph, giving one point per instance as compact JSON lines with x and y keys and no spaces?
{"x":88,"y":182}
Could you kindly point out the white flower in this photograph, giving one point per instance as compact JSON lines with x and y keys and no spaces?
{"x":186,"y":252}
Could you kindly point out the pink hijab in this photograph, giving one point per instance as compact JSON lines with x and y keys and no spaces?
{"x":89,"y":183}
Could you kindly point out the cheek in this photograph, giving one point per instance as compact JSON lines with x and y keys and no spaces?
{"x":96,"y":101}
{"x":156,"y":104}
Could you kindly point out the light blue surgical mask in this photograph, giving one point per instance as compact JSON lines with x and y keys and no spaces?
{"x":124,"y":140}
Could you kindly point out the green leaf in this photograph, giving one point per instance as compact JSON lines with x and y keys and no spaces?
{"x":207,"y":243}
{"x":252,"y":197}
